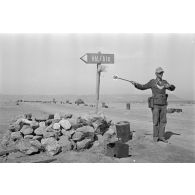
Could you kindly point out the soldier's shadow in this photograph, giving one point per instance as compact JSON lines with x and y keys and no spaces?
{"x":168,"y":134}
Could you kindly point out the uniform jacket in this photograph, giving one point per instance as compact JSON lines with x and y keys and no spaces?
{"x":156,"y":86}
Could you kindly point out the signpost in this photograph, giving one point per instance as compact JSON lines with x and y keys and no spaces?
{"x":98,"y":58}
{"x":95,"y":58}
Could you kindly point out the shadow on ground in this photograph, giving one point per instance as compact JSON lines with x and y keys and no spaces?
{"x":168,"y":134}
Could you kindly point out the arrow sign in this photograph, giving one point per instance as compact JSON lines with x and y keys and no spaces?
{"x":98,"y":58}
{"x":95,"y":58}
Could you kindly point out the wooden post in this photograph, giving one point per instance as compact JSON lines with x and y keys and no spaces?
{"x":97,"y":87}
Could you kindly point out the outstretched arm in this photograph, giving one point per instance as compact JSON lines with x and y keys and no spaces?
{"x":143,"y":87}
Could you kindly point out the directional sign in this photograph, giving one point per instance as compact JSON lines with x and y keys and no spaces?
{"x":95,"y":58}
{"x":98,"y":58}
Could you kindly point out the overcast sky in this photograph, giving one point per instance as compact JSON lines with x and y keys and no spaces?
{"x":50,"y":63}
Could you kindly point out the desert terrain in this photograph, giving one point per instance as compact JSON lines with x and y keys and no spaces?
{"x":180,"y":131}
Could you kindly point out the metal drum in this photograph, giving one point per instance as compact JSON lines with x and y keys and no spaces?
{"x":117,"y":149}
{"x":123,"y":131}
{"x":128,"y":106}
{"x":103,"y":104}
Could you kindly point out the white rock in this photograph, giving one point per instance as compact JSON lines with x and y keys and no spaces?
{"x":26,"y":130}
{"x":65,"y":124}
{"x":56,"y":126}
{"x":42,"y":124}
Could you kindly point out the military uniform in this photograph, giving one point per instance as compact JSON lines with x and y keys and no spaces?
{"x":159,"y":108}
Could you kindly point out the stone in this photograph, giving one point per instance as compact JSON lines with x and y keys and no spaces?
{"x":51,"y":146}
{"x":32,"y":150}
{"x":68,"y":116}
{"x":23,"y":145}
{"x":73,"y":121}
{"x":37,"y":137}
{"x":84,"y":144}
{"x":34,"y":125}
{"x":42,"y":124}
{"x":100,"y":139}
{"x":55,"y":121}
{"x":28,"y":136}
{"x":53,"y":149}
{"x":26,"y":130}
{"x":74,"y":124}
{"x":96,"y":143}
{"x":88,"y":131}
{"x":83,"y":122}
{"x":101,"y":126}
{"x":49,"y":129}
{"x":40,"y":131}
{"x":56,"y":126}
{"x":49,"y":134}
{"x":45,"y":141}
{"x":65,"y":124}
{"x":57,"y":116}
{"x":77,"y":136}
{"x":15,"y":155}
{"x":48,"y":122}
{"x":23,"y":121}
{"x":16,"y":136}
{"x":14,"y":127}
{"x":65,"y":143}
{"x":41,"y":118}
{"x":6,"y":138}
{"x":36,"y":144}
{"x":111,"y":131}
{"x":68,"y":133}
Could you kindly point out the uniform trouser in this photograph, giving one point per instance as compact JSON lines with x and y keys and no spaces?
{"x":159,"y":120}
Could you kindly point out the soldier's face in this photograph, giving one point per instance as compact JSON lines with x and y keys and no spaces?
{"x":159,"y":75}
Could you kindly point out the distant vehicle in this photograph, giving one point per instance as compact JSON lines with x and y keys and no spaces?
{"x":104,"y":105}
{"x":79,"y":101}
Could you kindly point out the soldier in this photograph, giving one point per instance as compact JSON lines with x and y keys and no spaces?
{"x":157,"y":103}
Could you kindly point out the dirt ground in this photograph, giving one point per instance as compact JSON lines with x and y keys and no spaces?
{"x":180,"y":132}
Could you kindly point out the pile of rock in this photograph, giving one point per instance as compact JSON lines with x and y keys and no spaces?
{"x":56,"y":133}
